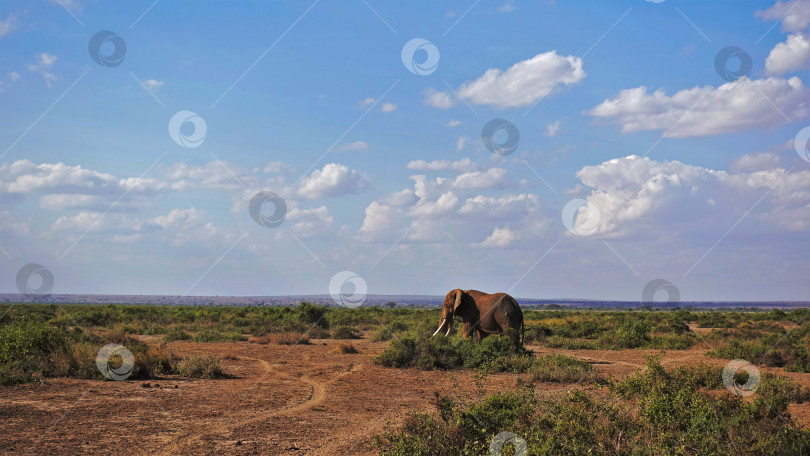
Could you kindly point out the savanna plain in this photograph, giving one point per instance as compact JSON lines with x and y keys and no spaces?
{"x":314,"y":380}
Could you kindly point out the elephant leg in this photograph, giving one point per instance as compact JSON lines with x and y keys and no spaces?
{"x":467,"y":330}
{"x":481,"y":334}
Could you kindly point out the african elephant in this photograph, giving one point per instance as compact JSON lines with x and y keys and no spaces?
{"x":482,"y":313}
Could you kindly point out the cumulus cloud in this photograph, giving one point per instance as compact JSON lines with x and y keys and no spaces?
{"x":755,"y":162}
{"x":522,"y":84}
{"x":500,"y":237}
{"x":508,"y":207}
{"x":380,"y":220}
{"x":388,"y":107}
{"x":794,"y":14}
{"x":701,"y":111}
{"x":308,"y":223}
{"x":401,"y":198}
{"x":507,"y":7}
{"x":478,"y":180}
{"x":453,"y":123}
{"x":438,"y":99}
{"x":637,"y":196}
{"x":792,"y":55}
{"x":216,"y":175}
{"x":277,"y":167}
{"x":331,"y":181}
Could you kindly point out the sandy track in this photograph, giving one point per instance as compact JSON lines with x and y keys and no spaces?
{"x":301,"y":400}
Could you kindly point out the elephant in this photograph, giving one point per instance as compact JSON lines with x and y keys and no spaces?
{"x":482,"y":314}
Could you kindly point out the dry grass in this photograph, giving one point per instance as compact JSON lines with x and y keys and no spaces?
{"x":290,"y":338}
{"x":346,"y":348}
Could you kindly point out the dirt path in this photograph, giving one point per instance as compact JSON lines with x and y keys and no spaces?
{"x":300,"y":400}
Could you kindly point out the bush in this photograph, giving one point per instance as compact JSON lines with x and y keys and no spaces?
{"x":347,"y":348}
{"x":443,"y":353}
{"x":174,"y":334}
{"x":291,"y":339}
{"x":346,"y":332}
{"x":201,"y":366}
{"x":210,"y":335}
{"x":561,"y":368}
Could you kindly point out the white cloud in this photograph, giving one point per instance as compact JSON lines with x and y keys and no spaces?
{"x":380,"y":220}
{"x":365,"y":103}
{"x":355,"y":145}
{"x":553,"y":129}
{"x":437,"y":165}
{"x":740,"y":105}
{"x":508,"y":207}
{"x":13,"y":76}
{"x":388,"y":107}
{"x":461,"y":142}
{"x":218,"y":175}
{"x":500,"y":237}
{"x":755,"y":162}
{"x":437,"y":99}
{"x":794,"y":14}
{"x":401,"y":198}
{"x":44,"y":62}
{"x":453,"y":123}
{"x":333,"y":180}
{"x":478,"y":180}
{"x":441,"y":207}
{"x":522,"y":84}
{"x":7,"y":26}
{"x":152,"y":85}
{"x":507,"y":7}
{"x":307,"y":223}
{"x":639,"y":196}
{"x":59,"y":202}
{"x":792,"y":55}
{"x":72,"y":5}
{"x":277,"y":167}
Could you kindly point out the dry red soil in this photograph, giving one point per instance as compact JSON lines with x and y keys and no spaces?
{"x":283,"y":400}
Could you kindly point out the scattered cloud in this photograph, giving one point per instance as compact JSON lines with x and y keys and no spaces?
{"x":507,"y":7}
{"x":553,"y":129}
{"x":794,"y":14}
{"x":7,"y":26}
{"x":757,"y":161}
{"x":277,"y":167}
{"x":44,"y":62}
{"x":365,"y":103}
{"x":332,"y":181}
{"x":437,"y":165}
{"x":701,"y":111}
{"x":461,"y":141}
{"x":522,"y":84}
{"x":500,"y":237}
{"x":388,"y":107}
{"x":453,"y":123}
{"x":152,"y":85}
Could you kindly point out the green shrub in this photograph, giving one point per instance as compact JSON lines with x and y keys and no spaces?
{"x":176,"y":334}
{"x":445,"y":353}
{"x":210,"y":335}
{"x":201,"y":366}
{"x":561,"y":368}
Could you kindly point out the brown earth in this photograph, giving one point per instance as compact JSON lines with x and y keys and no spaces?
{"x":283,"y":400}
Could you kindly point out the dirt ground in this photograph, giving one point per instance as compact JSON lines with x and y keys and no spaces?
{"x":283,"y":400}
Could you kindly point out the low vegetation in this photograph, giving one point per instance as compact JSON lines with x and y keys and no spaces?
{"x":201,"y":366}
{"x":658,"y":411}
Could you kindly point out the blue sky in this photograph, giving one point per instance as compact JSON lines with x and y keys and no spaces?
{"x":694,"y":178}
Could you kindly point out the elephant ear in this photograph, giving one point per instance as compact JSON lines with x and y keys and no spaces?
{"x":458,"y":300}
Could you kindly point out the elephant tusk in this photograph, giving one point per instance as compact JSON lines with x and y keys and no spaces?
{"x":441,"y":325}
{"x":449,"y":328}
